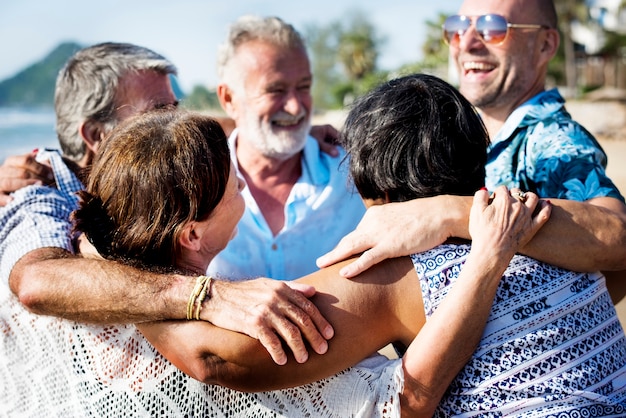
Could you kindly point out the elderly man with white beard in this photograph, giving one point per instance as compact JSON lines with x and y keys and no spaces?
{"x":298,"y":201}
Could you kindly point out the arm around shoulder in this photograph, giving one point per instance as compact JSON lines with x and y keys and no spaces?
{"x":52,"y":281}
{"x":583,"y":236}
{"x":401,"y":228}
{"x":367,"y":313}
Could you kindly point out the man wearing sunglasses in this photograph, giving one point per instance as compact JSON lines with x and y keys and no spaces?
{"x":501,"y":50}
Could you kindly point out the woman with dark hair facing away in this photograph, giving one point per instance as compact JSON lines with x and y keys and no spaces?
{"x":553,"y":345}
{"x":162,"y":194}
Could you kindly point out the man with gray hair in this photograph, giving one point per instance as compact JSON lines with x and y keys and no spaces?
{"x":92,"y":93}
{"x":99,"y":87}
{"x":298,"y":204}
{"x":296,"y":190}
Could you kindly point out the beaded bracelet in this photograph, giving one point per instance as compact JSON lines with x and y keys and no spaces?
{"x":200,"y":292}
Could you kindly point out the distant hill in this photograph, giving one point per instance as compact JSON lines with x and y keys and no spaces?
{"x":34,"y":86}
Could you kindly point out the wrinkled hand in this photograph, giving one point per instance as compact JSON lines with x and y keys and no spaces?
{"x":388,"y":231}
{"x":20,"y":171}
{"x":326,"y":136}
{"x":501,"y":227}
{"x":268,"y":309}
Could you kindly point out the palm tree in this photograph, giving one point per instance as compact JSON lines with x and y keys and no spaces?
{"x":358,"y":48}
{"x":569,"y":11}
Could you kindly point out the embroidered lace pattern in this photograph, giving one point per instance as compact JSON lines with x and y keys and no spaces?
{"x":56,"y":368}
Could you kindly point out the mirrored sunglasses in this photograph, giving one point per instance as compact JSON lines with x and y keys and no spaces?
{"x":492,"y":29}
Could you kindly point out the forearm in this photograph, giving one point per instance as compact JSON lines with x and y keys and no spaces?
{"x":450,"y":336}
{"x":582,"y":236}
{"x":453,"y":331}
{"x":51,"y":281}
{"x":239,"y":362}
{"x":363,"y":312}
{"x":434,"y":220}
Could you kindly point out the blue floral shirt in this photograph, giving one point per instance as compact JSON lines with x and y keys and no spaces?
{"x":541,"y":149}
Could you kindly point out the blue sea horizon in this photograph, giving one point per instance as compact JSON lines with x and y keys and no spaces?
{"x":24,"y":129}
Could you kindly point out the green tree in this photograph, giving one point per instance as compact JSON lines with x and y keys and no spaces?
{"x":322,"y":44}
{"x":567,"y":11}
{"x":358,"y":47}
{"x":201,"y":99}
{"x":344,"y":58}
{"x":434,"y":51}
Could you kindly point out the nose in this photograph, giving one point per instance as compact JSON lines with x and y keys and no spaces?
{"x":470,"y":39}
{"x":241,"y":183}
{"x":293,"y":103}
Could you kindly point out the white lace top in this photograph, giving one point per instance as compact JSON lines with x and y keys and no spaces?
{"x":51,"y":367}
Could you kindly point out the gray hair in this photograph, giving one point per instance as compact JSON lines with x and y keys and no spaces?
{"x":87,"y":85}
{"x":249,"y":28}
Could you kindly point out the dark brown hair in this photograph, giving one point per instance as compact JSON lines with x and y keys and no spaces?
{"x":415,"y":136}
{"x":151,"y":176}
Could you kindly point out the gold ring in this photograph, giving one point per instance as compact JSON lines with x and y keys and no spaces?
{"x":521,"y":196}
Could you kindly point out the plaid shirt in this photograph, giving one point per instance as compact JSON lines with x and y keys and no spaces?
{"x":38,"y":216}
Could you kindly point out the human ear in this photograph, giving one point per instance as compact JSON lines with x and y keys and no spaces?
{"x":225,"y":96}
{"x":190,"y":237}
{"x":92,"y":134}
{"x":550,"y":43}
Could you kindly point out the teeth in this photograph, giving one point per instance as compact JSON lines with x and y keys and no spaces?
{"x":481,"y":66}
{"x":285,"y":122}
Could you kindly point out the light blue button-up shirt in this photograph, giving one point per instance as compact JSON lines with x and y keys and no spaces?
{"x":322,"y":208}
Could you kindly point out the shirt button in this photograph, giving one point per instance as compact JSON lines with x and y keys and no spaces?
{"x":274,"y":247}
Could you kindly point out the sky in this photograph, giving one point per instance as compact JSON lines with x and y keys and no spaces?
{"x":187,"y":32}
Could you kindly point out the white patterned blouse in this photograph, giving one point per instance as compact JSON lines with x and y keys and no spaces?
{"x":553,"y":344}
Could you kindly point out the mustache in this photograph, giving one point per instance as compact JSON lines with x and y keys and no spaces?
{"x":284,"y":117}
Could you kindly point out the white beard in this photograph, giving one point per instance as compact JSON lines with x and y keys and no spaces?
{"x":272,"y":141}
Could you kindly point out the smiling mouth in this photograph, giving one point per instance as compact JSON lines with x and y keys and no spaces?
{"x":287,"y":122}
{"x":477,"y":66}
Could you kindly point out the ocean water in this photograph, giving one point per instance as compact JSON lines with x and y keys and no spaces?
{"x":22,"y":130}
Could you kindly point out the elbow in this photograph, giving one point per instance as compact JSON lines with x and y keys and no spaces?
{"x":415,"y":406}
{"x":621,"y":260}
{"x":245,"y":371}
{"x":31,"y":282}
{"x":204,"y":367}
{"x":29,"y":290}
{"x":216,"y":371}
{"x":613,"y":256}
{"x":206,"y":370}
{"x":614,"y":238}
{"x":620,"y":244}
{"x":418,"y":399}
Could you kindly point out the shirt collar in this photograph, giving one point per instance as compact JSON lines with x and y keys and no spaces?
{"x":527,"y":113}
{"x":66,"y":181}
{"x":314,"y":170}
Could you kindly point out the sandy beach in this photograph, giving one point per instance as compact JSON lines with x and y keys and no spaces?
{"x":607,"y":121}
